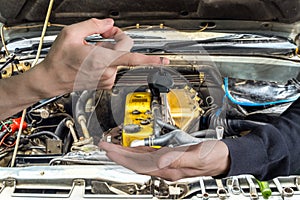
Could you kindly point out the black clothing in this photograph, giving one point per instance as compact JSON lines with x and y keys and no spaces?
{"x":268,"y":151}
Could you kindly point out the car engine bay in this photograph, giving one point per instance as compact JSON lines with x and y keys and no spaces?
{"x":225,"y":78}
{"x":148,"y":106}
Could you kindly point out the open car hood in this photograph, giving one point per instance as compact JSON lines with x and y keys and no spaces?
{"x":70,"y":11}
{"x":234,"y":67}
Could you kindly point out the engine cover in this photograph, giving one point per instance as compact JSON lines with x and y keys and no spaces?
{"x":182,"y":106}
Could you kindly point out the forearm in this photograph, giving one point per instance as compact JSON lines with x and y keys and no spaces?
{"x":21,"y":91}
{"x":261,"y":153}
{"x":270,"y":150}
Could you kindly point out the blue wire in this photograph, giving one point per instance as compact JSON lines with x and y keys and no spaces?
{"x":231,"y":98}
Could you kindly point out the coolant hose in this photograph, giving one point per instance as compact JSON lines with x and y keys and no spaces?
{"x":163,"y":124}
{"x":61,"y":129}
{"x":207,"y":133}
{"x":81,"y":102}
{"x":159,"y":141}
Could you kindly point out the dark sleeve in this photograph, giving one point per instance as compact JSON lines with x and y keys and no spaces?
{"x":268,"y":151}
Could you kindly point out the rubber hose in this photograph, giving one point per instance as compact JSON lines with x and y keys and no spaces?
{"x":81,"y":102}
{"x":48,"y":133}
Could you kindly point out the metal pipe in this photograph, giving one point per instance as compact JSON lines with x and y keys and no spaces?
{"x":70,"y":125}
{"x":82,"y":122}
{"x":176,"y":137}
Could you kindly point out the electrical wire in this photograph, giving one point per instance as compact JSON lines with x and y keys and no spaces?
{"x":3,"y":138}
{"x":5,"y":47}
{"x":33,"y":26}
{"x":33,"y":64}
{"x":43,"y":33}
{"x":3,"y":124}
{"x":3,"y":40}
{"x":161,"y":27}
{"x":6,"y":150}
{"x":45,"y":126}
{"x":204,"y":28}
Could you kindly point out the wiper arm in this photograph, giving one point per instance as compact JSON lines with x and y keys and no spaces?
{"x":32,"y":47}
{"x":99,"y":38}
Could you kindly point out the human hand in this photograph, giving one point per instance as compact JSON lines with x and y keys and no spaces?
{"x":209,"y":158}
{"x":73,"y":64}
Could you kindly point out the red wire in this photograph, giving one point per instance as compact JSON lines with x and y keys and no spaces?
{"x":10,"y":145}
{"x":2,"y":140}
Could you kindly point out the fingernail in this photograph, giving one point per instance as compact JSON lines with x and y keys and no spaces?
{"x":164,"y":61}
{"x":108,"y":21}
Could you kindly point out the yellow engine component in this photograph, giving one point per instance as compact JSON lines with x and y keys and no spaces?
{"x":184,"y":107}
{"x":184,"y":111}
{"x":138,"y":118}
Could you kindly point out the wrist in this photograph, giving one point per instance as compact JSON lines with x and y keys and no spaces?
{"x":214,"y":154}
{"x":43,"y":83}
{"x":225,"y":159}
{"x":23,"y":90}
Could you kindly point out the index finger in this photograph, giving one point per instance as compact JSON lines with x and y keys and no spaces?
{"x":123,"y":41}
{"x":91,"y":26}
{"x":112,"y":33}
{"x":134,"y":59}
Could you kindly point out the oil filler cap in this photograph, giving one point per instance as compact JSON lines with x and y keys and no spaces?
{"x":132,"y":128}
{"x":160,"y":81}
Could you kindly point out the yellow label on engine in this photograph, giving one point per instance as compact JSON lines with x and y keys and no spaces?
{"x":138,"y":118}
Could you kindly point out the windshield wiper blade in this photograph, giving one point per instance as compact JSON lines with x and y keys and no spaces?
{"x":166,"y":46}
